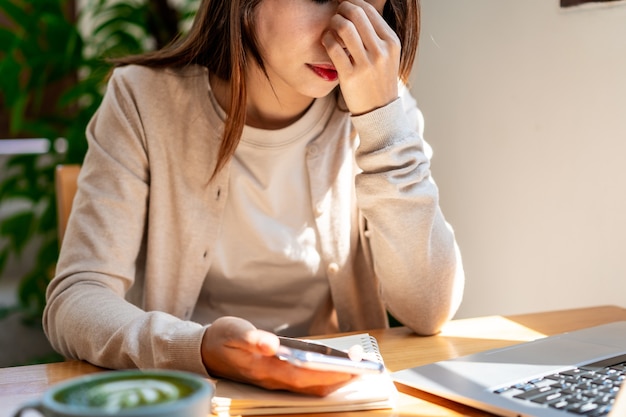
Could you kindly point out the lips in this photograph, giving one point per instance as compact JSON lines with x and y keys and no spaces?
{"x":325,"y":72}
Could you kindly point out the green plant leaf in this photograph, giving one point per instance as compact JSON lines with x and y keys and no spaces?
{"x":42,"y":49}
{"x":32,"y":295}
{"x":18,"y":228}
{"x":4,"y":257}
{"x":7,"y":38}
{"x":48,"y":219}
{"x":16,"y":14}
{"x":17,"y":113}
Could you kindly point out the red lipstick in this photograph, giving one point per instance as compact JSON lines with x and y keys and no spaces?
{"x":325,"y":72}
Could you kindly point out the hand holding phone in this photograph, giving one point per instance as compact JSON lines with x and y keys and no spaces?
{"x":232,"y":348}
{"x":320,"y":357}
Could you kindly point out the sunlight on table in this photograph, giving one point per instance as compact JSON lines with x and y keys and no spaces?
{"x":492,"y":327}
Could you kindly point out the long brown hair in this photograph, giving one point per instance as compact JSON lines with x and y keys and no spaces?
{"x":222,"y":38}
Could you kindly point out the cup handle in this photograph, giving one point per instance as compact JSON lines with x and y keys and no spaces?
{"x":31,"y":405}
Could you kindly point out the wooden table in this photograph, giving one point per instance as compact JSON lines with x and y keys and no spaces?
{"x":399,"y":347}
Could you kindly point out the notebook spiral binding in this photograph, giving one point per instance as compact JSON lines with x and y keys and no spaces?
{"x":370,"y":348}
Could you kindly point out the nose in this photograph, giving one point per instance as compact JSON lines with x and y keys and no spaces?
{"x":330,"y":9}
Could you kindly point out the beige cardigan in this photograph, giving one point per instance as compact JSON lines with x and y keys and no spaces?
{"x":139,"y":240}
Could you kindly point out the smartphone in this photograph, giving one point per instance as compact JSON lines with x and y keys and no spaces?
{"x":324,"y":358}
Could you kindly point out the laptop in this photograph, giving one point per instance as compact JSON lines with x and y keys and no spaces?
{"x":571,"y":374}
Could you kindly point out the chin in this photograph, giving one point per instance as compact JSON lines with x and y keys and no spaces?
{"x":322,"y":92}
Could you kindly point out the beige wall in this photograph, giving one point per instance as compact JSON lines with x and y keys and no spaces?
{"x":525,"y":107}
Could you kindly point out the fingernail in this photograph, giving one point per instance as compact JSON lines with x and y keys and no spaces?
{"x":268,"y":342}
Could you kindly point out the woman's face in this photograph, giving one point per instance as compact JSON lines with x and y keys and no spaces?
{"x":289,"y":35}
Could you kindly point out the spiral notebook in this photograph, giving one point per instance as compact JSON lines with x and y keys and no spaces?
{"x":367,"y":392}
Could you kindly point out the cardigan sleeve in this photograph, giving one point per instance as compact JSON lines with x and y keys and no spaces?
{"x":414,"y":251}
{"x":88,"y":315}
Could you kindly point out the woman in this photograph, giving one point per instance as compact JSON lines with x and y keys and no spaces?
{"x":264,"y":175}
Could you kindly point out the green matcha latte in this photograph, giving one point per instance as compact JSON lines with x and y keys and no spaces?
{"x":131,"y":393}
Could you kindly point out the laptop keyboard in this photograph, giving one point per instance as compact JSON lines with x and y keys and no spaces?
{"x":589,"y":390}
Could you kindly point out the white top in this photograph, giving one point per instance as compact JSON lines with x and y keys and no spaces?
{"x":269,"y":225}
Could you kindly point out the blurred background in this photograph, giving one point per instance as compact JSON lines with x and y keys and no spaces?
{"x":52,"y":76}
{"x":525,"y":108}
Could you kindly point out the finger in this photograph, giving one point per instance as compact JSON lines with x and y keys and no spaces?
{"x":241,"y":334}
{"x":346,"y":34}
{"x":341,"y":58}
{"x":372,"y":10}
{"x":356,"y":353}
{"x":282,"y":375}
{"x":354,"y":28}
{"x":262,"y":342}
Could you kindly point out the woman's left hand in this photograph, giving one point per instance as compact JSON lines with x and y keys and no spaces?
{"x":366,"y":54}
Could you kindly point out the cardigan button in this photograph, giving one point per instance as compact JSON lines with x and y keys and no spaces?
{"x":313,"y":151}
{"x":333,"y":268}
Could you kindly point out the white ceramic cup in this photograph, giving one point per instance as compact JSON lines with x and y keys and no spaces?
{"x":133,"y":393}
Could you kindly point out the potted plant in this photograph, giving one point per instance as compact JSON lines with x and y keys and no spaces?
{"x":51,"y":54}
